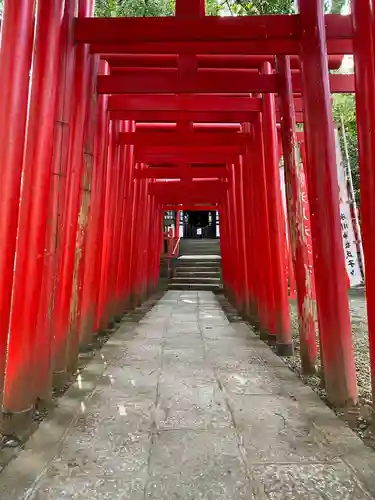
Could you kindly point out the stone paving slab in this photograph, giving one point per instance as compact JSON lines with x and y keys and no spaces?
{"x":186,"y":406}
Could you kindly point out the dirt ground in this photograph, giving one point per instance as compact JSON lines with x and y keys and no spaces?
{"x":360,"y":417}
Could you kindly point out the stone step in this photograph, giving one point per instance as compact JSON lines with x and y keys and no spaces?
{"x":194,"y":286}
{"x":184,"y":279}
{"x":198,"y":274}
{"x":198,"y":264}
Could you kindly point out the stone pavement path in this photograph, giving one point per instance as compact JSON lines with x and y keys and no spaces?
{"x":185,"y":406}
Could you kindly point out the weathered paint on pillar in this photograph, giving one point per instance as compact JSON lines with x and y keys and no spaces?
{"x":80,"y":254}
{"x":293,"y":170}
{"x":61,"y":313}
{"x":95,"y":234}
{"x":329,"y":265}
{"x":43,"y":340}
{"x":275,"y":216}
{"x":35,"y":195}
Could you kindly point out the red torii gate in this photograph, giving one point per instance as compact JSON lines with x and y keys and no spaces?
{"x":106,"y":218}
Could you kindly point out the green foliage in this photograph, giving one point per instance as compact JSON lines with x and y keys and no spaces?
{"x":133,"y":8}
{"x":259,"y":7}
{"x":344,"y":110}
{"x":146,"y":8}
{"x":337,"y":6}
{"x":142,"y":8}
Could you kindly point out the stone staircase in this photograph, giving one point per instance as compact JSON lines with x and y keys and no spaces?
{"x":198,"y":267}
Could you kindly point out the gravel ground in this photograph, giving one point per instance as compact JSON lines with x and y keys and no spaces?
{"x":360,"y":417}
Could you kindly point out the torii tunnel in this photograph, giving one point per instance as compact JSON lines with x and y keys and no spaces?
{"x":106,"y":123}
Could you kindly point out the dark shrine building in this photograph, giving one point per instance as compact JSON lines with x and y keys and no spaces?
{"x":199,"y":224}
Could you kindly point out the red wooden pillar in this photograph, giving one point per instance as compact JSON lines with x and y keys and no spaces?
{"x":231,"y":224}
{"x":119,"y":224}
{"x":95,"y":226}
{"x":225,"y":244}
{"x":130,"y":238}
{"x":248,"y":187}
{"x":20,"y":372}
{"x":235,"y":227}
{"x":150,"y":244}
{"x":225,"y":239}
{"x":298,"y":239}
{"x":157,"y":239}
{"x":118,"y":198}
{"x":329,"y":265}
{"x":103,"y":318}
{"x":244,"y":235}
{"x":80,"y":254}
{"x":134,"y":239}
{"x":262,"y":241}
{"x":61,"y":313}
{"x":190,"y":8}
{"x":139,"y":248}
{"x":274,"y":203}
{"x":364,"y":57}
{"x":16,"y":51}
{"x":124,"y":253}
{"x":102,"y":224}
{"x":43,"y":340}
{"x":242,"y":268}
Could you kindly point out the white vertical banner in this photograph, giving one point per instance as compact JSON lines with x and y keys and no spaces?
{"x":217,"y":225}
{"x":347,"y":229}
{"x":181,"y":235}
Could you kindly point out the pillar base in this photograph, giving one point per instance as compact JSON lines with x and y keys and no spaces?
{"x":263,"y":334}
{"x":45,"y":403}
{"x":87,"y":347}
{"x":60,"y":380}
{"x":284,"y":349}
{"x":271,"y":339}
{"x":111,"y":325}
{"x":16,"y":426}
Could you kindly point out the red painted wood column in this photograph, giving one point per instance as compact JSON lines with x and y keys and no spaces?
{"x":118,"y":198}
{"x":124,"y":253}
{"x":239,"y":173}
{"x":329,"y":265}
{"x":95,"y":225}
{"x":281,"y":323}
{"x":102,"y":222}
{"x":81,"y":255}
{"x":35,"y":195}
{"x":364,"y":57}
{"x":136,"y":195}
{"x":224,"y":246}
{"x":119,"y":224}
{"x":249,"y":203}
{"x":103,"y":318}
{"x":297,"y":237}
{"x":130,"y":237}
{"x":235,"y":225}
{"x":262,"y":240}
{"x":52,"y":254}
{"x":61,"y":313}
{"x":233,"y":247}
{"x":15,"y":54}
